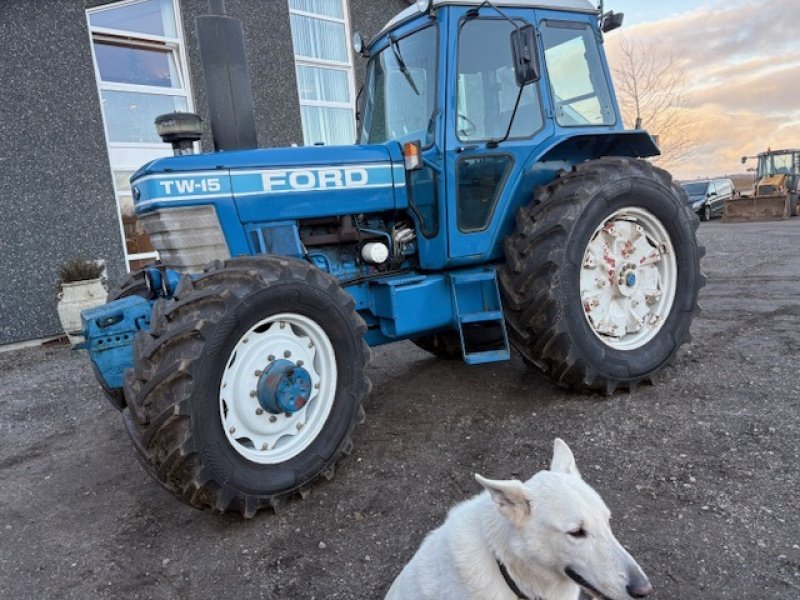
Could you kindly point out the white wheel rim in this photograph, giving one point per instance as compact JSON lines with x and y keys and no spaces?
{"x":256,"y":434}
{"x":628,"y":280}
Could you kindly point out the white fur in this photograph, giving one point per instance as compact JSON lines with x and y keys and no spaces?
{"x":527,"y":526}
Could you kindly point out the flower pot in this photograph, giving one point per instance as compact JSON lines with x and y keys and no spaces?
{"x":75,"y":297}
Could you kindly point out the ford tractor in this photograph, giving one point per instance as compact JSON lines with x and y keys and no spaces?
{"x":493,"y":200}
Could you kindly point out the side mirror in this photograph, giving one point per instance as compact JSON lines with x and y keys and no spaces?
{"x":612,"y":21}
{"x":525,"y":56}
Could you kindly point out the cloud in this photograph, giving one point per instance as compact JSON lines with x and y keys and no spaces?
{"x":741,"y":61}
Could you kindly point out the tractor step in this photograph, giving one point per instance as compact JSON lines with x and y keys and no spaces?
{"x":479,"y":317}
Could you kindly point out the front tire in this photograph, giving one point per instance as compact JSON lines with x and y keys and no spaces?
{"x":602,"y":275}
{"x":197,"y":412}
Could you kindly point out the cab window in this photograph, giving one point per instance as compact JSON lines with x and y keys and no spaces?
{"x":577,"y":80}
{"x":487,"y":88}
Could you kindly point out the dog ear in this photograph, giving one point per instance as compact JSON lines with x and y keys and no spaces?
{"x":563,"y":460}
{"x":511,"y":497}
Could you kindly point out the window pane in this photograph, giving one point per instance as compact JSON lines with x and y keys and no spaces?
{"x":141,"y":66}
{"x":327,"y":85}
{"x":330,"y":8}
{"x":487,"y":87}
{"x":314,"y":38}
{"x":400,"y":106}
{"x":155,"y":17}
{"x":130,"y":116}
{"x":331,"y":126}
{"x":479,"y":182}
{"x":577,"y":80}
{"x":122,"y":181}
{"x":136,"y":240}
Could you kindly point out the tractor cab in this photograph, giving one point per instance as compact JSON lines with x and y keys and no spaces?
{"x":485,"y":93}
{"x":780,"y":162}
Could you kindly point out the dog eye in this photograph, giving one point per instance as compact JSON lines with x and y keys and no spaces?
{"x":578,"y":533}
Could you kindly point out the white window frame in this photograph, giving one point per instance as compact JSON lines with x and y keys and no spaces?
{"x":129,"y":156}
{"x":300,"y":60}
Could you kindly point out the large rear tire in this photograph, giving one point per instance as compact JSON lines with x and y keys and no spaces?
{"x":602,"y":275}
{"x":197,"y":412}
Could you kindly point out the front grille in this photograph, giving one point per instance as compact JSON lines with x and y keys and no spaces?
{"x":187,"y":238}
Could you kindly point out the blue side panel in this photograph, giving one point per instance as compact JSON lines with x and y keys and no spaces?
{"x":316,"y":191}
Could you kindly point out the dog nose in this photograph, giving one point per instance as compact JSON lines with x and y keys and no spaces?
{"x":640,"y":589}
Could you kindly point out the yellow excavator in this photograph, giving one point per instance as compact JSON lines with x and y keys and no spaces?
{"x":776,"y":189}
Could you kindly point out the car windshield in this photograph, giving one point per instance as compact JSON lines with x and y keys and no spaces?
{"x":399,"y":94}
{"x":695,"y":189}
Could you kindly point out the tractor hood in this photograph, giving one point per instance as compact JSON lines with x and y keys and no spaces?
{"x":277,"y":183}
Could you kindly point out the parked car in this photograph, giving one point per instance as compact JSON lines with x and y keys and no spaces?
{"x":707,"y":197}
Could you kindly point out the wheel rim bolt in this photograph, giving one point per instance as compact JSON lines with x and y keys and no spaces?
{"x":299,"y":363}
{"x":271,"y":357}
{"x":299,"y":426}
{"x":316,"y":386}
{"x":283,"y":325}
{"x":259,"y":411}
{"x":253,"y":393}
{"x":232,"y":430}
{"x":265,"y":446}
{"x":258,"y":373}
{"x":287,"y":354}
{"x":273,"y":418}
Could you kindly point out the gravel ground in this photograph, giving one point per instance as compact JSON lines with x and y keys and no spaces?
{"x":700,"y":470}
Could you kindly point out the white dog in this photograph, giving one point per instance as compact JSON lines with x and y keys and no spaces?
{"x":545,"y":539}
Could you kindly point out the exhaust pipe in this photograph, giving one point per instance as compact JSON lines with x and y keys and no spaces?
{"x":230,"y":98}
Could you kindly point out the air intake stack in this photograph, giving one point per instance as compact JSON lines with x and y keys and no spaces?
{"x":228,"y":92}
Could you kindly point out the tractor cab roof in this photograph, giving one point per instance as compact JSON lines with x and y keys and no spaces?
{"x":773,"y":152}
{"x":582,"y":6}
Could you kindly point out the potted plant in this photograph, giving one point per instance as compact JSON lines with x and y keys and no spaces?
{"x":81,"y":286}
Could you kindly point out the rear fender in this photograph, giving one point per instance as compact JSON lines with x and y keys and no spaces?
{"x":577,"y":148}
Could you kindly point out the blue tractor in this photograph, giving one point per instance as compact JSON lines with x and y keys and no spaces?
{"x":493,"y":201}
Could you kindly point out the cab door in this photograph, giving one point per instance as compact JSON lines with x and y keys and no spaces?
{"x":481,"y":176}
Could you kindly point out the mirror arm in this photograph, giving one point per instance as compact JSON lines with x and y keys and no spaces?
{"x":473,"y":12}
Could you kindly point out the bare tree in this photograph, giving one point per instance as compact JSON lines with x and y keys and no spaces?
{"x":651,"y":89}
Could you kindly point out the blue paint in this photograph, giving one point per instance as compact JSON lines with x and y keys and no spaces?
{"x":630,"y":280}
{"x":283,"y":387}
{"x":268,"y":200}
{"x":108,"y":331}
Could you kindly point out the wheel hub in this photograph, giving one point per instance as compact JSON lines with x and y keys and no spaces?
{"x":283,"y":387}
{"x":628,"y":279}
{"x":278,"y":388}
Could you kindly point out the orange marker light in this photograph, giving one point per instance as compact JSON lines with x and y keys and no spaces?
{"x":412,"y":155}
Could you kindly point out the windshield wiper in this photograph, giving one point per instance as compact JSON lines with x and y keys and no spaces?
{"x":402,"y":64}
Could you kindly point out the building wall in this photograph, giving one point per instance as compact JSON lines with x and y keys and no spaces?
{"x":268,"y":42}
{"x":56,"y":192}
{"x":368,"y":17}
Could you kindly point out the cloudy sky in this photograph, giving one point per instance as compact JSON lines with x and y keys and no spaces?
{"x":741,"y":60}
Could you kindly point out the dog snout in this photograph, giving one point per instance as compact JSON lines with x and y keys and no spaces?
{"x":639,"y":588}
